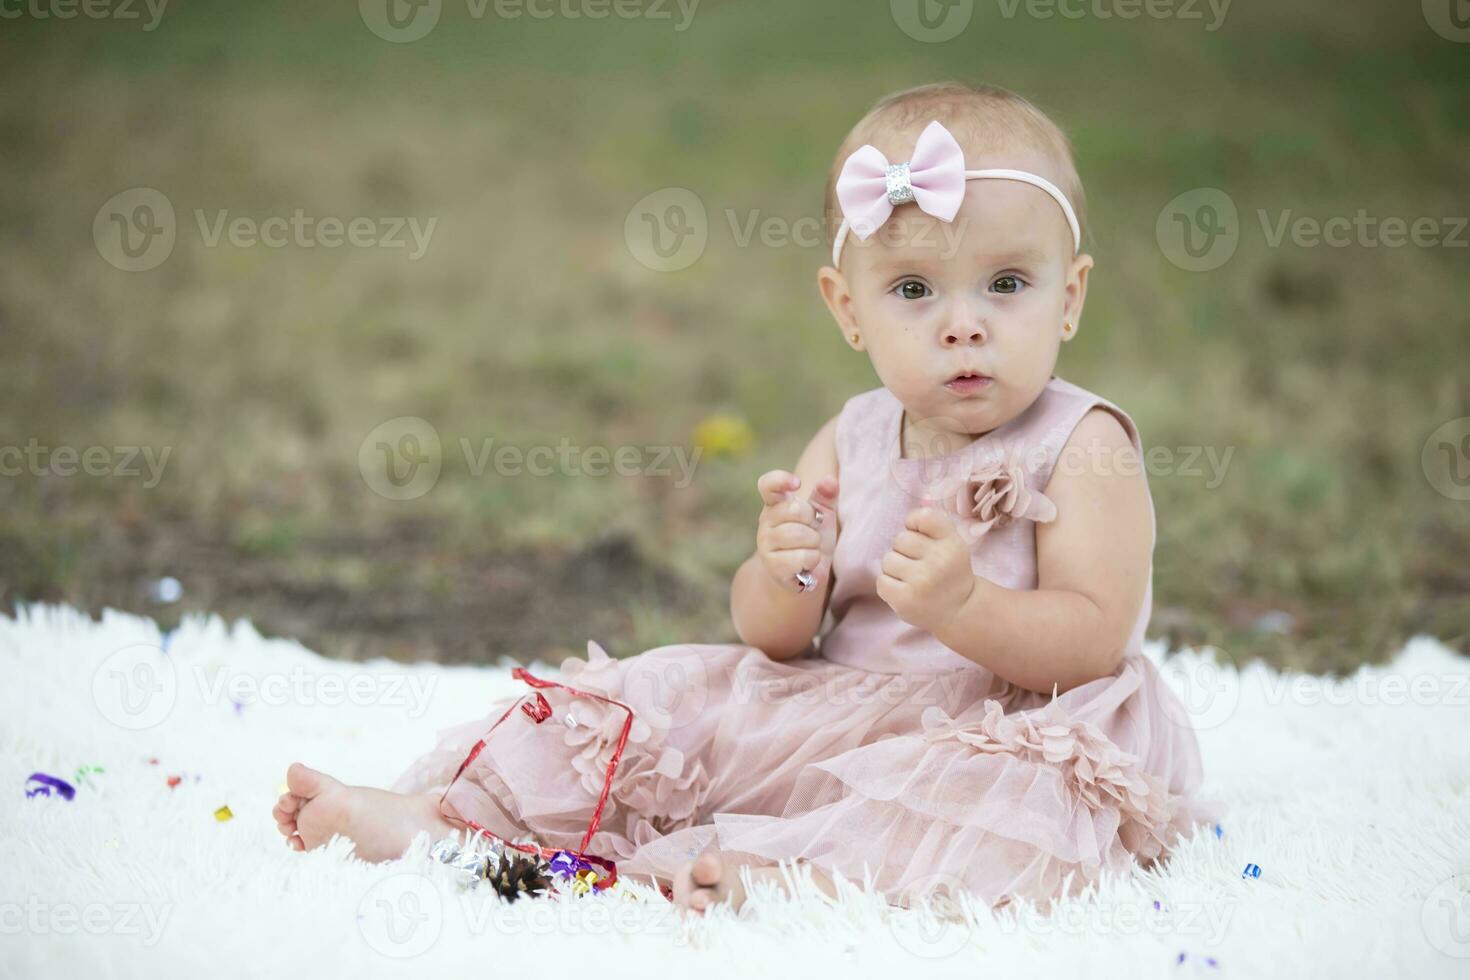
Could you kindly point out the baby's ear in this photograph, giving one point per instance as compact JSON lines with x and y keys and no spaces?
{"x":832,"y":284}
{"x":1077,"y":287}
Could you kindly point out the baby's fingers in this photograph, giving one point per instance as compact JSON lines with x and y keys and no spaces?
{"x":775,"y":485}
{"x":792,"y":534}
{"x":784,"y":565}
{"x":825,"y":492}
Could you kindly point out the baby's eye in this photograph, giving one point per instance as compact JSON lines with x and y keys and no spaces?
{"x":1007,"y":284}
{"x":912,"y":289}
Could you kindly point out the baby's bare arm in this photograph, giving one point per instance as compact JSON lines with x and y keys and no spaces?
{"x":1092,"y":566}
{"x":768,"y":610}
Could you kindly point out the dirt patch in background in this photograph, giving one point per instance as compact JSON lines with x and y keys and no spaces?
{"x":420,"y":602}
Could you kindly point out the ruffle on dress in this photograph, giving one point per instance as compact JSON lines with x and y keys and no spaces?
{"x":1100,"y":773}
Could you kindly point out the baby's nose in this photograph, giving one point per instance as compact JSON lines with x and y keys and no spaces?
{"x":971,"y":333}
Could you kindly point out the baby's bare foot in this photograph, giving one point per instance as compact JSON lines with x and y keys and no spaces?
{"x":381,"y":824}
{"x":708,"y":880}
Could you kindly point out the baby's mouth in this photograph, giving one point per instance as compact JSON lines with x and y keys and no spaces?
{"x":967,"y":382}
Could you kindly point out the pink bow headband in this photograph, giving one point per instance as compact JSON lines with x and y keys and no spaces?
{"x":869,"y":187}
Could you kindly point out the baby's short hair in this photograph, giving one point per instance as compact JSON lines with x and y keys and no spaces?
{"x":982,"y":117}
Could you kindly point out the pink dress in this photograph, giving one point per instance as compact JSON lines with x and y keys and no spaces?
{"x":878,"y":752}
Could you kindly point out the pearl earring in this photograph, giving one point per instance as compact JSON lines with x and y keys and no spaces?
{"x":854,"y":338}
{"x":1068,"y":330}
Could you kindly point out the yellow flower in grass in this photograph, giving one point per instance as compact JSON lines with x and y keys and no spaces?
{"x":723,"y":435}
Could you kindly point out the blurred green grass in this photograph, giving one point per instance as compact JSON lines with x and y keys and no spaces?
{"x":528,"y":320}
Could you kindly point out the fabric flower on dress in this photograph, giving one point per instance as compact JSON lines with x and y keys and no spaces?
{"x":652,"y":780}
{"x":994,"y":493}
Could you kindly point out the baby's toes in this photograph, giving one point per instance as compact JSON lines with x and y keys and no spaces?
{"x":285,"y":812}
{"x":707,"y":870}
{"x":688,"y":893}
{"x":706,"y":884}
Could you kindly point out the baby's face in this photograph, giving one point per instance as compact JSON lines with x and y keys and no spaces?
{"x":986,"y":294}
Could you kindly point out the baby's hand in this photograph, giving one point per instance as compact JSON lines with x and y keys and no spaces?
{"x":795,"y":534}
{"x":926,"y":573}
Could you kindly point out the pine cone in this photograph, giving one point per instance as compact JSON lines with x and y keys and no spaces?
{"x":519,"y":875}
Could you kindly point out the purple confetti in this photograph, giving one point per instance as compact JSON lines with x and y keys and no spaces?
{"x":46,"y":783}
{"x":567,"y":864}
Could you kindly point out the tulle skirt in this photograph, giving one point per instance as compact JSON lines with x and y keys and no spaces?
{"x":919,"y":783}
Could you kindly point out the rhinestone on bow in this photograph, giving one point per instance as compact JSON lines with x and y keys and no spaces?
{"x":900,"y":184}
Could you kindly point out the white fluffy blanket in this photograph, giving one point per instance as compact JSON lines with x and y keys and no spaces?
{"x":1352,"y":797}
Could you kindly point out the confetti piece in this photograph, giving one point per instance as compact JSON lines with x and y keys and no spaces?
{"x":174,"y":781}
{"x":1251,"y":871}
{"x":45,"y":784}
{"x":153,"y":762}
{"x":165,"y":590}
{"x":223,"y":813}
{"x":283,"y":788}
{"x":1218,"y":832}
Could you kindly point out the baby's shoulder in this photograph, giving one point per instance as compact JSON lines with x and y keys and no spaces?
{"x":1074,"y":413}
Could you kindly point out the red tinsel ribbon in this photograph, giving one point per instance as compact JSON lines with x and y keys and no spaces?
{"x":538,"y":711}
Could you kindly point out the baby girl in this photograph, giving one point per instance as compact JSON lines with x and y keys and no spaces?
{"x":941,"y":684}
